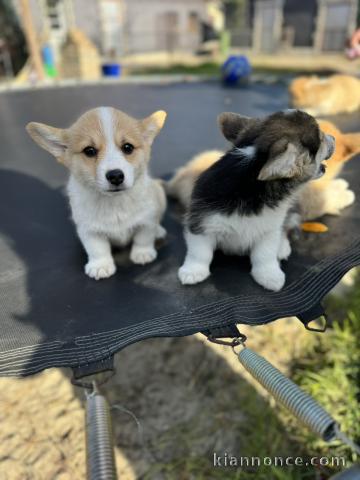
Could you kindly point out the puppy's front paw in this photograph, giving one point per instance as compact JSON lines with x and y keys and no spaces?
{"x":102,"y":268}
{"x":143,"y":255}
{"x":269,"y":277}
{"x":338,"y":196}
{"x":189,"y":275}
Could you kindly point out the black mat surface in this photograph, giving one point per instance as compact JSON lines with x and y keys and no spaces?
{"x":51,"y":314}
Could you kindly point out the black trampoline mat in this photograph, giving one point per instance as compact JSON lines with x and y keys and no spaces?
{"x":52,"y":314}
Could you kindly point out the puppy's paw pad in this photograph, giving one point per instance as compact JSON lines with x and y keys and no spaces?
{"x":102,"y":268}
{"x":271,"y":279}
{"x":190,"y":276}
{"x":141,"y":256}
{"x":160,"y":233}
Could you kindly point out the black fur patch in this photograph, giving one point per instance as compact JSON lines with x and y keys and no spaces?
{"x":295,"y":127}
{"x":231,"y":185}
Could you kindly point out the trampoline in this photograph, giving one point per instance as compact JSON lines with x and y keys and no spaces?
{"x":53,"y":315}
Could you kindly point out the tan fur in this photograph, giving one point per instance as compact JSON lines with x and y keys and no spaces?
{"x":181,"y":185}
{"x":325,"y":195}
{"x":328,"y":194}
{"x":346,"y":146}
{"x":326,"y":96}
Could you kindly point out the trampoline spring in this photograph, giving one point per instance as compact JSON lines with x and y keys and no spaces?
{"x":99,"y":441}
{"x":299,"y":403}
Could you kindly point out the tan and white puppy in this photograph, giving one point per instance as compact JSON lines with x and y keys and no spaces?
{"x":113,"y":199}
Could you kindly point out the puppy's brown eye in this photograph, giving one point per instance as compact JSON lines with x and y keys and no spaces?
{"x":127,"y":148}
{"x":90,"y":151}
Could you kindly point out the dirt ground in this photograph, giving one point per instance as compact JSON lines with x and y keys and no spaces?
{"x":191,"y":398}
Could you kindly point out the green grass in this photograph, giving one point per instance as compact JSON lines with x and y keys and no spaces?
{"x":212,"y":69}
{"x":330,"y":372}
{"x":239,"y":413}
{"x":206,"y":69}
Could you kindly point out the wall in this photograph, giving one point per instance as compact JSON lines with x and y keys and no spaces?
{"x":87,"y":18}
{"x":148,"y":29}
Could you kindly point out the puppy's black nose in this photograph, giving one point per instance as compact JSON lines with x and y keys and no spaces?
{"x":115,"y":177}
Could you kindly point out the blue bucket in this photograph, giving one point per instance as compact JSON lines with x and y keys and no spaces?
{"x":111,"y":69}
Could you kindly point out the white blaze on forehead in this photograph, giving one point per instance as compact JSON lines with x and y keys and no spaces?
{"x":113,"y":158}
{"x":106,"y":118}
{"x":107,"y":123}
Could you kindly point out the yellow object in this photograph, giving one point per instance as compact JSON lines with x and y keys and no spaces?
{"x":314,"y":227}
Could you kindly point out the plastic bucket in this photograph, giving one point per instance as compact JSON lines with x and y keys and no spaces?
{"x":111,"y":69}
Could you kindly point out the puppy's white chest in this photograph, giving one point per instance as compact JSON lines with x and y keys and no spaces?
{"x":238,"y":233}
{"x":117,"y":224}
{"x":113,"y":217}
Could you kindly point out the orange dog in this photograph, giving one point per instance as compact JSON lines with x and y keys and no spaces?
{"x":325,"y":96}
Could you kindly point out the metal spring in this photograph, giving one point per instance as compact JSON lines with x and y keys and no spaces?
{"x":99,"y":441}
{"x":299,"y":403}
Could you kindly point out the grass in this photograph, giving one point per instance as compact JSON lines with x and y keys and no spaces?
{"x":330,"y":372}
{"x":213,"y":69}
{"x":261,"y":433}
{"x":206,"y":69}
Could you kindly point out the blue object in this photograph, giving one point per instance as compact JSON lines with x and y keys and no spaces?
{"x":236,"y":70}
{"x":48,"y":56}
{"x":111,"y":69}
{"x":49,"y":61}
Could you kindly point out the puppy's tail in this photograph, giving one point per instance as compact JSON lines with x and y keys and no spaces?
{"x":181,"y":185}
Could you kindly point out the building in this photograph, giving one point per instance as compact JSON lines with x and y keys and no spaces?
{"x":120,"y":27}
{"x":164,"y":25}
{"x":273,"y":25}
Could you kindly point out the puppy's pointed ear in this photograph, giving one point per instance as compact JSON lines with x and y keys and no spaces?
{"x":352,"y":142}
{"x":282,"y":163}
{"x":153,"y":124}
{"x":49,"y":138}
{"x":231,"y":124}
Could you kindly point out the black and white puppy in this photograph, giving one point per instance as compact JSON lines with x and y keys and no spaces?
{"x":239,"y":204}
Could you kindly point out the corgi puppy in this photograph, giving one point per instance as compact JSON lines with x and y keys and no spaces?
{"x":327,"y":195}
{"x":240,"y":204}
{"x":113,"y":199}
{"x":325,"y":96}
